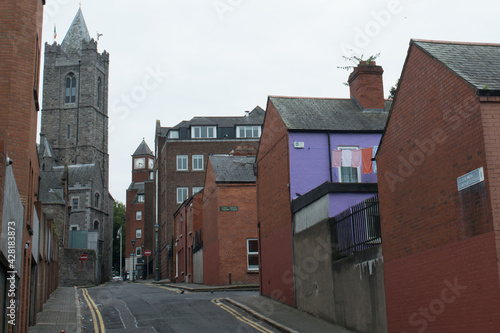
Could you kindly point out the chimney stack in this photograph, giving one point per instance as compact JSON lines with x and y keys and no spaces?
{"x":366,"y":86}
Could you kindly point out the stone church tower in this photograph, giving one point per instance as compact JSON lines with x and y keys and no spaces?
{"x":74,"y":133}
{"x":75,"y":99}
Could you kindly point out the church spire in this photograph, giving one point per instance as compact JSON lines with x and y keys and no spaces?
{"x":77,"y":32}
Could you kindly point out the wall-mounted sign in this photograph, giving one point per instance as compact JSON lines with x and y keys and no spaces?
{"x":228,"y":208}
{"x":472,"y":178}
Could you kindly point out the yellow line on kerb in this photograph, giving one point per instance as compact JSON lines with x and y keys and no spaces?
{"x":93,"y":308}
{"x":240,"y":317}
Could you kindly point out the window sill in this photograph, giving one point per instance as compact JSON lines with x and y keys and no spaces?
{"x":252,"y":271}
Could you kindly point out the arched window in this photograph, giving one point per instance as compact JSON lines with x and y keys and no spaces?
{"x":96,"y":225}
{"x":96,"y":200}
{"x":99,"y":87}
{"x":70,"y":88}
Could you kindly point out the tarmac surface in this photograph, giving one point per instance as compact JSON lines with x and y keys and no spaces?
{"x":62,"y":311}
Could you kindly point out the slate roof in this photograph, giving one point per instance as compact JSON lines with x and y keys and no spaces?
{"x":255,"y":117}
{"x":78,"y":173}
{"x":233,"y":169}
{"x":478,"y":64}
{"x":328,"y":114}
{"x":143,"y":149}
{"x":51,"y":188}
{"x":72,"y":42}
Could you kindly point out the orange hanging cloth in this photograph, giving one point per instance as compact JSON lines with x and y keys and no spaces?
{"x":367,"y":154}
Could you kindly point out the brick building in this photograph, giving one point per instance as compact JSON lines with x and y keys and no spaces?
{"x":188,"y":224}
{"x":74,"y":132}
{"x":19,"y":103}
{"x":139,"y":219}
{"x":438,"y":185}
{"x":296,"y":168}
{"x":230,"y":234}
{"x":181,"y":153}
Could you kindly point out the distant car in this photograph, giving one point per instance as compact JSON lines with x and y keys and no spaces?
{"x":117,"y":278}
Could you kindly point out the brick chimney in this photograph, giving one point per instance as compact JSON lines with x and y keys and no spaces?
{"x":366,"y":86}
{"x":244,"y":151}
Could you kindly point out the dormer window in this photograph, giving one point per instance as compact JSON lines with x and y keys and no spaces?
{"x":203,"y":132}
{"x":70,"y":89}
{"x":173,"y":134}
{"x":248,"y":131}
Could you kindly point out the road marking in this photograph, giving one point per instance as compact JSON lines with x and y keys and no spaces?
{"x":240,"y":317}
{"x":93,"y":308}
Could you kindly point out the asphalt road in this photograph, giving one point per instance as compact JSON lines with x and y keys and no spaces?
{"x":141,"y":307}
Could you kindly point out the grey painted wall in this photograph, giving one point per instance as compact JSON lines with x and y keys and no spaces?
{"x":198,"y":267}
{"x":349,"y":292}
{"x":13,"y":211}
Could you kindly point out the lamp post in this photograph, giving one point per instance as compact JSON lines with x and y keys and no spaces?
{"x":142,"y":256}
{"x":157,"y":278}
{"x":119,"y":235}
{"x":133,"y":260}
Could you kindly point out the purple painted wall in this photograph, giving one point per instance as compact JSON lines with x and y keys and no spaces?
{"x":310,"y":166}
{"x":341,"y":201}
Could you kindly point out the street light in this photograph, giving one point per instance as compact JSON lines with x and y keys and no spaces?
{"x":119,"y":235}
{"x":142,"y":256}
{"x":133,"y":260}
{"x":157,"y":227}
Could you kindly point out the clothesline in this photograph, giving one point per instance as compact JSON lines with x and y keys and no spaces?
{"x":356,"y":158}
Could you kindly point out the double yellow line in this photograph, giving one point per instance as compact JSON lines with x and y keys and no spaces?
{"x":260,"y":328}
{"x":94,"y":311}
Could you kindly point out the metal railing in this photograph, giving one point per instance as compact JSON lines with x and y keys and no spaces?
{"x":357,"y":228}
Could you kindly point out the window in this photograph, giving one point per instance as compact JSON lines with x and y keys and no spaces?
{"x":151,"y":175}
{"x":70,"y":89}
{"x":182,"y":162}
{"x":138,"y":215}
{"x":96,"y":200}
{"x":197,"y":162}
{"x":349,"y":174}
{"x":140,"y":198}
{"x":248,"y":131}
{"x":173,"y":134}
{"x":99,"y":87}
{"x":203,"y":132}
{"x":96,"y":225}
{"x":138,"y":233}
{"x":253,"y":254}
{"x":74,"y":227}
{"x":68,"y":131}
{"x":182,"y":194}
{"x":138,"y":251}
{"x":197,"y":189}
{"x":74,"y":203}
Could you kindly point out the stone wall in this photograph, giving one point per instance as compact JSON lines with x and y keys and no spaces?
{"x":75,"y":272}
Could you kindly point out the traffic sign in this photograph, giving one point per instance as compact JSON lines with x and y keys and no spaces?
{"x":147,"y":253}
{"x":83,"y":257}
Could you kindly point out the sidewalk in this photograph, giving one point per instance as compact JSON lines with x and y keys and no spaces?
{"x":281,"y":316}
{"x":60,"y":312}
{"x":284,"y":317}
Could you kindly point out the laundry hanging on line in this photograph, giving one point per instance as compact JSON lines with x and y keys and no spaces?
{"x":355,"y":158}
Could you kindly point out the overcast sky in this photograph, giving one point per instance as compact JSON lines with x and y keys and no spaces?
{"x":173,"y":60}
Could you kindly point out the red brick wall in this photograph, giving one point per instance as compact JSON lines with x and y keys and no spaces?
{"x":234,"y":230}
{"x":490,"y":111}
{"x":225,"y":234}
{"x":210,"y":230}
{"x":431,"y":232}
{"x":132,"y":224}
{"x":20,"y":74}
{"x":274,"y":211}
{"x":451,"y":289}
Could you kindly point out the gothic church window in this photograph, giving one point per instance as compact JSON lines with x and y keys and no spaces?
{"x":99,"y":87}
{"x":96,"y":200}
{"x":96,"y":225}
{"x":68,"y":130}
{"x":70,"y":88}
